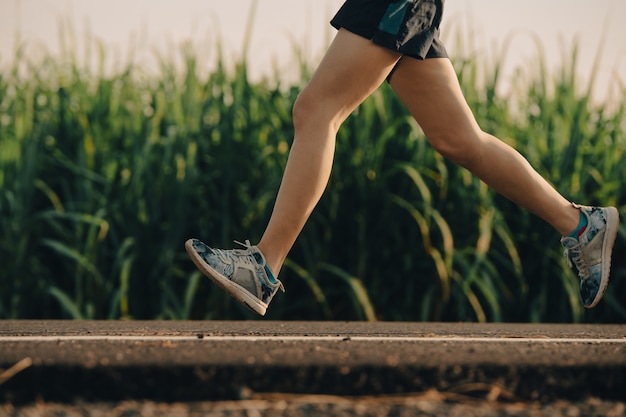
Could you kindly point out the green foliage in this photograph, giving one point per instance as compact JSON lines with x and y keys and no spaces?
{"x":104,"y":176}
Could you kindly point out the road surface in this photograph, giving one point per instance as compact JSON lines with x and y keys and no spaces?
{"x":169,"y":362}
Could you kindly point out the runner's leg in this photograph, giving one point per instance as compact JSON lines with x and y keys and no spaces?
{"x":351,"y":70}
{"x":431,"y":92}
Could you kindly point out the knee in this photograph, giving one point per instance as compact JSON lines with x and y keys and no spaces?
{"x":462,"y":147}
{"x":303,"y":110}
{"x":312,"y":110}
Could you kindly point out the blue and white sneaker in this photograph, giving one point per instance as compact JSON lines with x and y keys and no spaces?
{"x":591,"y":252}
{"x":243,"y":273}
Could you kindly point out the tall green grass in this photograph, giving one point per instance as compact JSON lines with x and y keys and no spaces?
{"x":104,"y":175}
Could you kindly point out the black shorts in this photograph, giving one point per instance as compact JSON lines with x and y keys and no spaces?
{"x":410,"y":27}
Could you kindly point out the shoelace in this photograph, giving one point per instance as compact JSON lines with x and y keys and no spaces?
{"x":229,"y":255}
{"x":574,"y":257}
{"x":246,"y":255}
{"x":248,"y":251}
{"x":246,"y":244}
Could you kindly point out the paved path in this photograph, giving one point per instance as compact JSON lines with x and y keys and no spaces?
{"x":211,"y":360}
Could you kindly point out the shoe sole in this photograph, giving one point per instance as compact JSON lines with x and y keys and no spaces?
{"x":237,"y":291}
{"x":612,"y":223}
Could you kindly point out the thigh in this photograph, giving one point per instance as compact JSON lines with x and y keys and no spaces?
{"x":351,"y":70}
{"x":431,"y":92}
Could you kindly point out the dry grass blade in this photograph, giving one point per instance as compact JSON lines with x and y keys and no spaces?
{"x":15,"y":369}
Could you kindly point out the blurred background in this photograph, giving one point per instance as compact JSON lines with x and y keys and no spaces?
{"x":280,"y":26}
{"x":127,"y":127}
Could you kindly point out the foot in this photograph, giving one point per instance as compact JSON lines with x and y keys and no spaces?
{"x":591,"y":252}
{"x":243,"y":273}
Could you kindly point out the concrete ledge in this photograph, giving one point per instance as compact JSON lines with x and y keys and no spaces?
{"x":197,"y":361}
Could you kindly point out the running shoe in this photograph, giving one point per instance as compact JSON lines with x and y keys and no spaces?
{"x":243,"y":273}
{"x":591,"y":252}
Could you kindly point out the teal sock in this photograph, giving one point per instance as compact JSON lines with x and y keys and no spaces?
{"x":581,"y":227}
{"x":269,"y":273}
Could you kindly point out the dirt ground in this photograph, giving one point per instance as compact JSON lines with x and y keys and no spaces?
{"x":276,"y":405}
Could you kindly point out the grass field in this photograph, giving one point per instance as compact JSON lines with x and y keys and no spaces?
{"x":104,"y":174}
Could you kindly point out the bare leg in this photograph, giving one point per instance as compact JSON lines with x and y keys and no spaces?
{"x":431,"y":92}
{"x":351,"y":70}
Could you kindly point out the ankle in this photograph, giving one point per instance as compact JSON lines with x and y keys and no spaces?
{"x":568,"y":220}
{"x":580,"y":228}
{"x":271,"y":261}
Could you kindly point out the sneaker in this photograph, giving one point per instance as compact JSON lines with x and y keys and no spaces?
{"x":243,"y":273}
{"x":591,"y":252}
